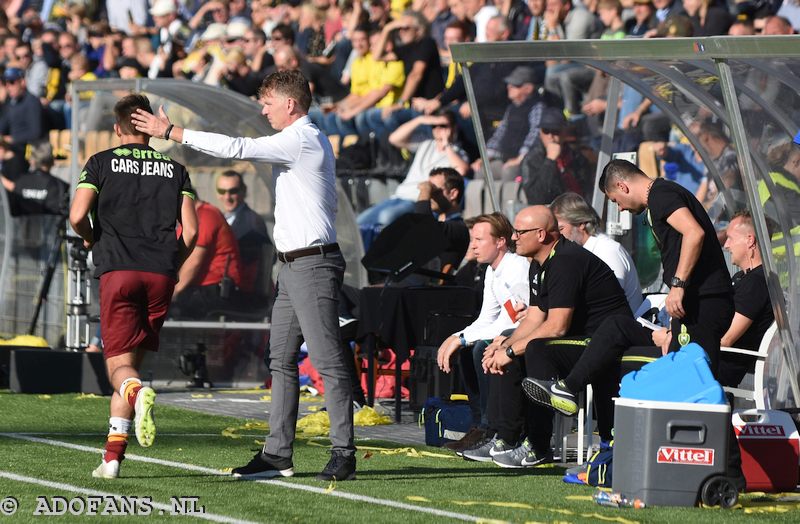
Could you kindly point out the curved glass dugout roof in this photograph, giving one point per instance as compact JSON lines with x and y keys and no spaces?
{"x":205,"y":108}
{"x":751,"y":85}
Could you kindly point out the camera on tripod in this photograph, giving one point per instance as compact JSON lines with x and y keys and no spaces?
{"x":193,"y":365}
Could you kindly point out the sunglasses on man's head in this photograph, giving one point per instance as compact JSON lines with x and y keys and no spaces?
{"x":232,"y":191}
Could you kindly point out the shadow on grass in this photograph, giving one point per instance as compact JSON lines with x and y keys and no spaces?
{"x":426,"y":473}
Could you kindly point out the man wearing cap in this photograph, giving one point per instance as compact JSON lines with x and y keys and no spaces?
{"x":21,"y":121}
{"x":168,"y":25}
{"x":553,"y":165}
{"x":519,"y":128}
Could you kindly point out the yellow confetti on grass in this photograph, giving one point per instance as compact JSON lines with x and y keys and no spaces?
{"x":314,"y":425}
{"x":609,"y":519}
{"x":367,"y":416}
{"x":84,"y":396}
{"x":416,"y":498}
{"x":526,"y":506}
{"x":255,"y":426}
{"x":251,"y":391}
{"x":43,"y":397}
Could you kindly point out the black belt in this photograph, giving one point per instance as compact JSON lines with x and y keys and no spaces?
{"x":291,"y":256}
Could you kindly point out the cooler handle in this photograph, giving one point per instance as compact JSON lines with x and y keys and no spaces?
{"x":751,"y":416}
{"x":686,"y":432}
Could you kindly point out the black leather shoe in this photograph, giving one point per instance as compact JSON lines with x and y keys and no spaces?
{"x":339,"y":467}
{"x":265,"y":466}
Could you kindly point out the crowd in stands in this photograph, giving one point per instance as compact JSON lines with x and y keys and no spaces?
{"x":381,"y":73}
{"x":373,"y":65}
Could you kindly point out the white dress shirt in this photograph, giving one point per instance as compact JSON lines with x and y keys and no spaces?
{"x":612,"y":253}
{"x":305,"y":178}
{"x":508,"y":282}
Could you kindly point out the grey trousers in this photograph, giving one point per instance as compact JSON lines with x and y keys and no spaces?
{"x":306,"y":307}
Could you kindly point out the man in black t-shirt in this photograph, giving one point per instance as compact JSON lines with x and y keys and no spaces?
{"x":572,"y":293}
{"x":135,"y":195}
{"x":751,"y":299}
{"x":38,"y":192}
{"x":700,"y":299}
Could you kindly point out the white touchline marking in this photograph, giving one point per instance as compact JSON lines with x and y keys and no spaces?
{"x":99,"y":435}
{"x":213,"y":517}
{"x":289,"y":485}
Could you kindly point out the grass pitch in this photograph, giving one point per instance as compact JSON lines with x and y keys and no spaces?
{"x":49,"y":446}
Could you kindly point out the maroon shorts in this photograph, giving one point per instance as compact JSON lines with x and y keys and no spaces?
{"x":133,"y":306}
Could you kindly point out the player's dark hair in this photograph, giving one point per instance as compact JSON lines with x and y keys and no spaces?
{"x":125,"y":107}
{"x":617,"y":169}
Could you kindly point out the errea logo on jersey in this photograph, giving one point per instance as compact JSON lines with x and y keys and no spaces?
{"x":690,"y":456}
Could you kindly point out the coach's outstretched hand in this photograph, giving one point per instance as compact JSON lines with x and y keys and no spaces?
{"x":151,"y":124}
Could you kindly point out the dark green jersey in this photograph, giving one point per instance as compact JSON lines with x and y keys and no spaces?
{"x":139,"y":195}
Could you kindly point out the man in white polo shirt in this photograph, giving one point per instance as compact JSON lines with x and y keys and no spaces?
{"x":505,"y":295}
{"x":577,"y":221}
{"x":306,"y":300}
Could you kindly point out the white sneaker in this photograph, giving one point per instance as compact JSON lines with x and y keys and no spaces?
{"x":143,"y":421}
{"x":107,"y":470}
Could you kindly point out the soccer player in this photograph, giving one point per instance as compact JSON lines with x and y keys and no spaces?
{"x":135,"y":195}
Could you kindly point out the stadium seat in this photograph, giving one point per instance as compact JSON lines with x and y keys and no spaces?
{"x":754,"y":389}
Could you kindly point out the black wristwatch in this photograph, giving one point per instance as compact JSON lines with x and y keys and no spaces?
{"x":510,"y":352}
{"x":677,"y":282}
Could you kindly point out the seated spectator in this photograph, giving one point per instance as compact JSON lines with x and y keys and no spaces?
{"x":38,"y":192}
{"x":679,"y":162}
{"x":254,"y":46}
{"x":248,"y":227}
{"x":742,"y":28}
{"x":373,"y":83}
{"x":21,"y":120}
{"x":323,"y":84}
{"x":610,"y":14}
{"x":12,"y":164}
{"x":480,"y":11}
{"x":555,"y":165}
{"x":238,"y":75}
{"x":578,"y":222}
{"x":716,"y":142}
{"x":422,"y":68}
{"x":519,"y":128}
{"x":79,"y":71}
{"x":568,"y":20}
{"x":491,"y":95}
{"x":643,"y":20}
{"x":505,"y":295}
{"x":34,"y":66}
{"x":208,"y":279}
{"x":783,"y":194}
{"x":443,"y":150}
{"x":708,"y":19}
{"x":441,"y":196}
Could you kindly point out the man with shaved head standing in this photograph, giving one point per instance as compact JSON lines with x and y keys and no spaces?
{"x":572,"y":293}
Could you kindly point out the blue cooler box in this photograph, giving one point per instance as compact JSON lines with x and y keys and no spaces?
{"x":665,"y":451}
